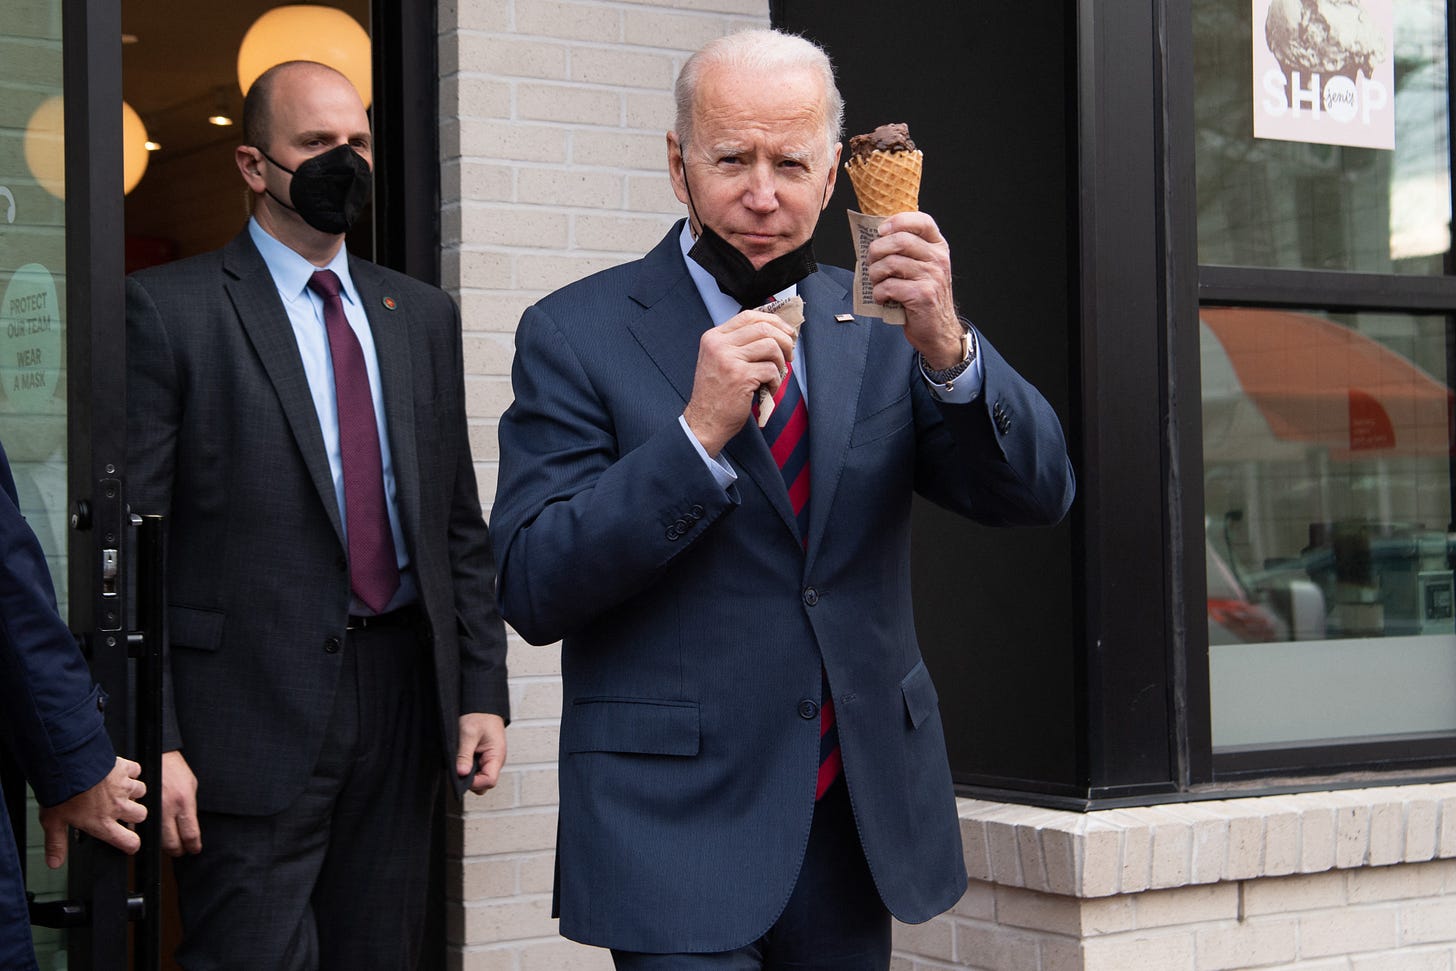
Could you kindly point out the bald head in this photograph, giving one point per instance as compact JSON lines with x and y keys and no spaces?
{"x":258,"y":105}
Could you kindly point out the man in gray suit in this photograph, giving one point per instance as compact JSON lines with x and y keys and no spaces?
{"x":299,"y":416}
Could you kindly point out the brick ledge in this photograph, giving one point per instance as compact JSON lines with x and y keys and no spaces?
{"x":1119,"y":851}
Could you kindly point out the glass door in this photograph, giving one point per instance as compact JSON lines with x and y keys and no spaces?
{"x":62,"y":411}
{"x":33,"y":319}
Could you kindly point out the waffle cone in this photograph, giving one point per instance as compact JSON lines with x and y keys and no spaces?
{"x":886,"y":182}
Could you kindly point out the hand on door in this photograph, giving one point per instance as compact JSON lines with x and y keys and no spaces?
{"x":100,"y":811}
{"x":180,"y":830}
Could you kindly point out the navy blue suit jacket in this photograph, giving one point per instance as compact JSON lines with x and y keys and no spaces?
{"x":693,"y":623}
{"x":50,"y":711}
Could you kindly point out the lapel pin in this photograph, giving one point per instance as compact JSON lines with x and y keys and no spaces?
{"x":389,"y":304}
{"x":844,"y":318}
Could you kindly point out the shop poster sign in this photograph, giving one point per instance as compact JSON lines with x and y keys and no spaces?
{"x":30,"y":341}
{"x":1324,"y":71}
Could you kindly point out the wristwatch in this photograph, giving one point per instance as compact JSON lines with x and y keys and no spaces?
{"x":945,"y":377}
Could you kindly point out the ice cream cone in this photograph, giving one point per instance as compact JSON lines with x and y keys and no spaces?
{"x":886,"y":182}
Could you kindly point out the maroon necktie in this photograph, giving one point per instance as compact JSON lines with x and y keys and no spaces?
{"x":787,"y":434}
{"x":373,"y":568}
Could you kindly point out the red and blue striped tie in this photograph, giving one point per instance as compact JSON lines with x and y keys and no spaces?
{"x":787,"y":434}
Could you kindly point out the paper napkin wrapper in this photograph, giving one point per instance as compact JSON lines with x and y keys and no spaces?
{"x":791,"y":311}
{"x":865,"y":229}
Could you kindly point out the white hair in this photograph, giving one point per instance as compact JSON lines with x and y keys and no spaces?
{"x":767,"y":52}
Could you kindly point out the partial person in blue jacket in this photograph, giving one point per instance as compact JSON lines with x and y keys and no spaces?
{"x":51,"y":723}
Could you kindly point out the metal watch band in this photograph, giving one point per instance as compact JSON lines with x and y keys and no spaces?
{"x":947,"y":375}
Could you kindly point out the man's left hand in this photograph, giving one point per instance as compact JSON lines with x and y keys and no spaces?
{"x":482,"y":750}
{"x":910,"y":264}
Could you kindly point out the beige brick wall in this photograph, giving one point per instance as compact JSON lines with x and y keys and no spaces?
{"x":1388,"y":918}
{"x":553,"y":160}
{"x":1359,"y":880}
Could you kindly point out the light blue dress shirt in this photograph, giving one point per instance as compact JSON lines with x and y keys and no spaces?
{"x":291,"y":273}
{"x":721,"y":308}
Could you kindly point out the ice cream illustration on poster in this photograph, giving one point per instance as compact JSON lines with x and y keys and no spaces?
{"x":1323,"y":71}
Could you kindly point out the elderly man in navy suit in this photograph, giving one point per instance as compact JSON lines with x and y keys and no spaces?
{"x":51,"y":722}
{"x":753,"y":772}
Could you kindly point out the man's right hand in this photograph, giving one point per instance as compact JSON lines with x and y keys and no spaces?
{"x":735,"y":359}
{"x":100,"y":811}
{"x":180,"y":830}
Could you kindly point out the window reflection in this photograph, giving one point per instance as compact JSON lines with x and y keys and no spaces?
{"x":1328,"y":444}
{"x":1285,"y":204}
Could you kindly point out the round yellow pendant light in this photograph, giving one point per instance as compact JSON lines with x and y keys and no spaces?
{"x":307,"y":32}
{"x":45,"y":146}
{"x":134,"y":154}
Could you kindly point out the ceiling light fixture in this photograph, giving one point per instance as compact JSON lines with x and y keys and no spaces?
{"x":222,"y":114}
{"x":307,"y":32}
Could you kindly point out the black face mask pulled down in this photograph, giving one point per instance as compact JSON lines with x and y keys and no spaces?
{"x":735,"y":274}
{"x":329,"y":190}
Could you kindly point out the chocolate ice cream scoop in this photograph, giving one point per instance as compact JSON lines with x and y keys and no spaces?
{"x":894,"y":137}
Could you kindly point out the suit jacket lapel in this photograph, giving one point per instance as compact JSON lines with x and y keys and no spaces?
{"x":837,"y":356}
{"x":391,"y":330}
{"x":255,"y":298}
{"x":669,"y":331}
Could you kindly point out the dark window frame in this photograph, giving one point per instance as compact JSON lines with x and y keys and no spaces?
{"x":1265,"y":769}
{"x":407,"y":137}
{"x":1139,"y":660}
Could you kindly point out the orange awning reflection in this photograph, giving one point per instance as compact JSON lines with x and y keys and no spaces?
{"x":1316,"y":381}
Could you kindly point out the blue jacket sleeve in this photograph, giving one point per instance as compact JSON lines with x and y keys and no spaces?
{"x":51,"y":714}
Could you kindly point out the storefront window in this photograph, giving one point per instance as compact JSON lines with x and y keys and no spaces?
{"x":1327,"y":445}
{"x":1322,"y":138}
{"x":1322,"y":134}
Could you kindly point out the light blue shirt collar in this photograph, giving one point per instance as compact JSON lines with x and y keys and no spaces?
{"x":291,"y":272}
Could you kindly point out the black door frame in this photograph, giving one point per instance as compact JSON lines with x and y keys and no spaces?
{"x":96,"y":433}
{"x":114,"y":926}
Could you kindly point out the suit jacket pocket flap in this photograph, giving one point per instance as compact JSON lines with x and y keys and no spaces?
{"x":194,"y":627}
{"x":637,"y":726}
{"x":886,"y":421}
{"x":921,"y":700}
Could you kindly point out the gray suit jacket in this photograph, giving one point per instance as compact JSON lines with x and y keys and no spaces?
{"x":223,"y":438}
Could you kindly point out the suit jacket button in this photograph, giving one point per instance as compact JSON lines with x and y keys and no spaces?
{"x":696,"y":512}
{"x":807,"y":709}
{"x":673,"y":533}
{"x":811,"y":596}
{"x":331,"y":645}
